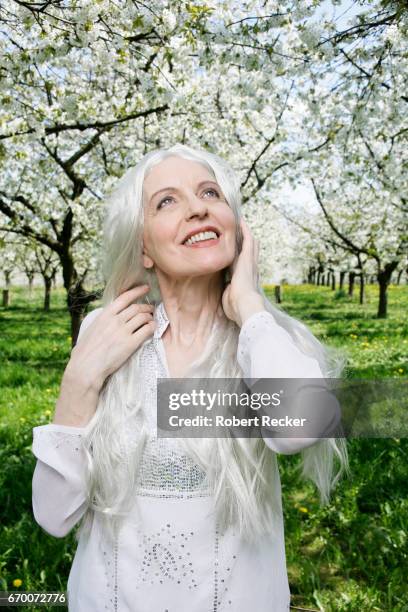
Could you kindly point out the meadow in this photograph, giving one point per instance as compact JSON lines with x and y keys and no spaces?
{"x":350,"y":555}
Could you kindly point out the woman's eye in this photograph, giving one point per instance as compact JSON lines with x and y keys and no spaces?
{"x":166,"y":199}
{"x":213,"y":191}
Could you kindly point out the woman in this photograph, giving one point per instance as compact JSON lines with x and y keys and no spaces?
{"x":171,"y":524}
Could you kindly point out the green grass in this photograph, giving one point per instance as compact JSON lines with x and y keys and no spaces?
{"x":352,"y":554}
{"x":348,"y":556}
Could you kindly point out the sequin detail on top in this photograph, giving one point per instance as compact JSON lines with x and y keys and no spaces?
{"x":225,"y":558}
{"x":166,"y":473}
{"x":165,"y":470}
{"x":110,"y":556}
{"x":166,"y":557}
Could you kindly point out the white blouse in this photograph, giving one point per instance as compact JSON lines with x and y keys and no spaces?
{"x":170,"y":555}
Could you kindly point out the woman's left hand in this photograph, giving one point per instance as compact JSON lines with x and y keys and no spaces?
{"x":241,"y":297}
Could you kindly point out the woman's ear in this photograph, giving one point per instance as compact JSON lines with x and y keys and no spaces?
{"x":147,"y":261}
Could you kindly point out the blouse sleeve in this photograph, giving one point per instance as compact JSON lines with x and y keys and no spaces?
{"x":266,"y":350}
{"x":59,"y":493}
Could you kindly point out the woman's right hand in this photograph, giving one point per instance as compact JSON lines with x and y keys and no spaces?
{"x":115,"y":334}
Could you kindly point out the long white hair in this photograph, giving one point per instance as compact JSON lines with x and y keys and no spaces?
{"x":240,"y":471}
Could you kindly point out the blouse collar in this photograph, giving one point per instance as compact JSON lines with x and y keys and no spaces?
{"x":162,"y":320}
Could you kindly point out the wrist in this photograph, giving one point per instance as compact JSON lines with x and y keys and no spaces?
{"x":76,"y":403}
{"x":248,"y":306}
{"x":85,"y":382}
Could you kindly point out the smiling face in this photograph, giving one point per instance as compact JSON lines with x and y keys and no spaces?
{"x":189,"y":227}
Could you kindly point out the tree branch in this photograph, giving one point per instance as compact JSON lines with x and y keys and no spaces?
{"x":24,"y":228}
{"x":353,"y":248}
{"x":57,"y":129}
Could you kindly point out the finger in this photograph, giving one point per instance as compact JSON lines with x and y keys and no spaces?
{"x":256,"y":257}
{"x":139,"y":320}
{"x":133,"y":310}
{"x":252,"y":241}
{"x":257,"y":247}
{"x":247,"y":236}
{"x":144,"y":332}
{"x":126,"y":298}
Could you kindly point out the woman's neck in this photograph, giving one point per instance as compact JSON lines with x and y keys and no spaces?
{"x":192,"y":309}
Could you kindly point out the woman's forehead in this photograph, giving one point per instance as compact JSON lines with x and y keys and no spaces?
{"x":176,"y":170}
{"x":174,"y":173}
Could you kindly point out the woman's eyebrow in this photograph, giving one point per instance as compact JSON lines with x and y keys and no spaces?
{"x":175,"y":188}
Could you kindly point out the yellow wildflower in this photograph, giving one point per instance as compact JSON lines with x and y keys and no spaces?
{"x":303,"y":509}
{"x":400,"y":370}
{"x":17,"y":582}
{"x":47,"y":412}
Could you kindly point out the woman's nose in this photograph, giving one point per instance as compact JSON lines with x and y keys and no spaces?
{"x":196,"y":206}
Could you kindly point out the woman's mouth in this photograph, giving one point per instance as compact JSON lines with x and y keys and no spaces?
{"x":202,"y":240}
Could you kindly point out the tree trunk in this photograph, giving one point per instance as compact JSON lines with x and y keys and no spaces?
{"x":75,"y":294}
{"x":78,"y":299}
{"x":47,"y":294}
{"x":328,"y":279}
{"x":362,"y":287}
{"x":30,"y":285}
{"x":352,"y":276}
{"x":399,"y":276}
{"x":76,"y":309}
{"x":333,"y":281}
{"x":384,"y":277}
{"x":318,"y":278}
{"x":278,"y":294}
{"x":342,"y":275}
{"x":5,"y":298}
{"x":382,"y":301}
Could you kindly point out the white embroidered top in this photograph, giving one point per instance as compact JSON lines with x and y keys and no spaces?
{"x":170,"y":556}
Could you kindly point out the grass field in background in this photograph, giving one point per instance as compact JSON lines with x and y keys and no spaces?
{"x":348,"y":556}
{"x":352,"y":554}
